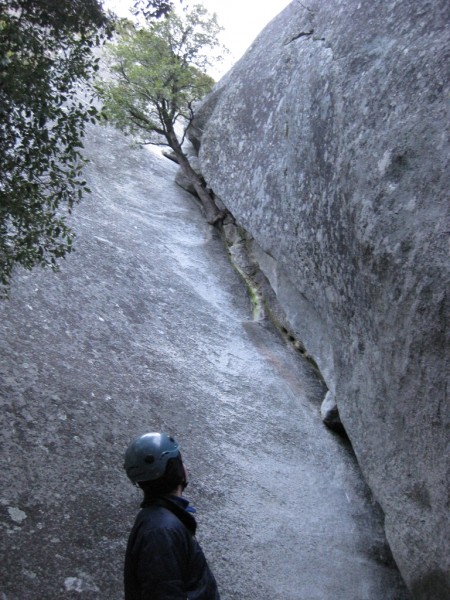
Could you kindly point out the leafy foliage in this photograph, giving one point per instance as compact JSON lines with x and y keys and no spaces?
{"x":46,"y":49}
{"x":153,"y":9}
{"x":159,"y":73}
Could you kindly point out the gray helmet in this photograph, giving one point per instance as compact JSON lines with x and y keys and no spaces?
{"x":147,"y":456}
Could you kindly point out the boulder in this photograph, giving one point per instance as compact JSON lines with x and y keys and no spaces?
{"x":330,"y":413}
{"x":327,"y":144}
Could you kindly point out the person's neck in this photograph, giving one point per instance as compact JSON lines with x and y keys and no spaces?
{"x":178,"y":491}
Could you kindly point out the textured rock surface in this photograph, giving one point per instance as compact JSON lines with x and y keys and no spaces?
{"x":327,"y":143}
{"x":147,"y":326}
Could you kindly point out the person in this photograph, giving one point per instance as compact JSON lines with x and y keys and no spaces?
{"x":163,"y":559}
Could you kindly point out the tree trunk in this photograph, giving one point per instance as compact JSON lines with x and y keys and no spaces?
{"x":212,"y":213}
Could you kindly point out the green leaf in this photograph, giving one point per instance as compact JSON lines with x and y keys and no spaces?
{"x":42,"y":123}
{"x":159,"y":72}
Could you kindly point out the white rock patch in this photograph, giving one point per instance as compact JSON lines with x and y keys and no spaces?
{"x":16,"y":514}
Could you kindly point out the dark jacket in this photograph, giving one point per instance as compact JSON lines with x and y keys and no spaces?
{"x":163,"y":560}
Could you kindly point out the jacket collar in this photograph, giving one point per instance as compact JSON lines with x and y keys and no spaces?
{"x":172,"y":503}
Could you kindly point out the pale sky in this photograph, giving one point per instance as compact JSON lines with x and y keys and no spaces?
{"x":242,"y":20}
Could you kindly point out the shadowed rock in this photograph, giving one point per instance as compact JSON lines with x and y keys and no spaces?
{"x":327,"y":143}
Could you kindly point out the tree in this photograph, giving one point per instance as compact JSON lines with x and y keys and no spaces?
{"x":158,"y":73}
{"x":153,"y":9}
{"x":46,"y":49}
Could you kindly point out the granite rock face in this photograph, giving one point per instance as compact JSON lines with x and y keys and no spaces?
{"x":327,"y":143}
{"x":147,"y":327}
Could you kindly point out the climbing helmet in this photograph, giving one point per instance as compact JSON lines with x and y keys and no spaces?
{"x":147,"y":456}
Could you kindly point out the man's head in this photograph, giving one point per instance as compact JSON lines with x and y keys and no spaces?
{"x":153,"y":461}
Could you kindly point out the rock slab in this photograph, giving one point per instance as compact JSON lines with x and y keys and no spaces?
{"x":327,"y":142}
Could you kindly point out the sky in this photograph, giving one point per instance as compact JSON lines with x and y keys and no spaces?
{"x":241,"y":19}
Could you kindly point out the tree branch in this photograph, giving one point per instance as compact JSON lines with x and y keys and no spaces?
{"x":143,"y":122}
